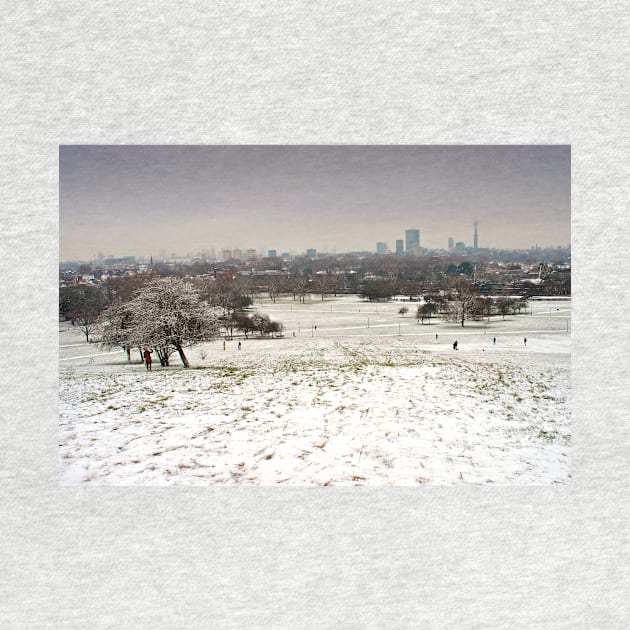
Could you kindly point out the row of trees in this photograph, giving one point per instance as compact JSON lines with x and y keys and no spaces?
{"x":166,"y":314}
{"x":170,"y":314}
{"x":249,"y":324}
{"x":465,"y":303}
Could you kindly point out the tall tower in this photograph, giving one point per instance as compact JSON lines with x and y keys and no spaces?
{"x":476,"y":245}
{"x":412,"y":240}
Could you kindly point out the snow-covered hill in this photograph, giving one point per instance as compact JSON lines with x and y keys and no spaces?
{"x":353,"y":394}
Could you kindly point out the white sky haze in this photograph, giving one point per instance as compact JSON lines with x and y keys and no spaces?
{"x":140,"y":200}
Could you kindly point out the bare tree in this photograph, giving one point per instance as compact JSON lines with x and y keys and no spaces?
{"x":505,"y":306}
{"x":273,"y":288}
{"x":300,"y":287}
{"x":83,"y":304}
{"x":324,"y":284}
{"x":426,"y":310}
{"x":463,"y":302}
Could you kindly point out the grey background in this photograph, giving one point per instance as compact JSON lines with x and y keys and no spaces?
{"x":301,"y":72}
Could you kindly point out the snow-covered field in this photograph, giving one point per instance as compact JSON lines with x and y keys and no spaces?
{"x":366,"y":398}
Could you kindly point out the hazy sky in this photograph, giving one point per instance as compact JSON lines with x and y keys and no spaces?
{"x":138,"y":200}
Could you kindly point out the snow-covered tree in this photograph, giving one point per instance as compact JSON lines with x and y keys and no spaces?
{"x":167,"y":315}
{"x":116,"y":328}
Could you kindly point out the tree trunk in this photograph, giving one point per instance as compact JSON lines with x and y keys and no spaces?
{"x":163,"y":357}
{"x":182,"y":356}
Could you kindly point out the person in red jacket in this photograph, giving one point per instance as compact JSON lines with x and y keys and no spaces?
{"x":147,"y":359}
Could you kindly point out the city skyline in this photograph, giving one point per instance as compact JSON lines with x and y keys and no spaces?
{"x":140,"y":200}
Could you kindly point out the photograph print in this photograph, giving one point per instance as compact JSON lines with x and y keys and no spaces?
{"x":314,"y":315}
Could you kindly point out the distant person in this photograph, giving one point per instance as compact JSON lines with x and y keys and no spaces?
{"x":239,"y":345}
{"x":224,"y":345}
{"x":436,"y":336}
{"x":494,"y":341}
{"x":525,"y":340}
{"x":147,"y":359}
{"x":455,"y":345}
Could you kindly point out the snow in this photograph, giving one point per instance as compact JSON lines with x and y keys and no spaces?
{"x":366,"y":398}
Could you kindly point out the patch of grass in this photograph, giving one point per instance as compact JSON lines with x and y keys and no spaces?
{"x":547,"y":435}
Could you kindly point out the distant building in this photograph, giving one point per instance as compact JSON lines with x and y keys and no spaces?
{"x":476,"y":239}
{"x":124,"y":260}
{"x":237,"y":254}
{"x":251,"y":254}
{"x":227,"y":254}
{"x":381,"y":248}
{"x":223,"y":274}
{"x":451,"y":242}
{"x":311,"y":253}
{"x":400,"y":247}
{"x":271,"y":253}
{"x":460,"y":247}
{"x":412,"y":240}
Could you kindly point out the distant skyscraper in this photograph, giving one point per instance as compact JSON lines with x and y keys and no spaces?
{"x":272,"y":253}
{"x":476,"y":240}
{"x":400,"y":247}
{"x":451,"y":242}
{"x":412,"y":241}
{"x":381,"y":248}
{"x":251,"y":254}
{"x":311,"y":253}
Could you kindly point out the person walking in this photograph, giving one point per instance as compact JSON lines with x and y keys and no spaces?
{"x":494,"y":341}
{"x":455,"y":345}
{"x":239,"y":345}
{"x":436,"y":336}
{"x":147,"y":359}
{"x":525,"y":340}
